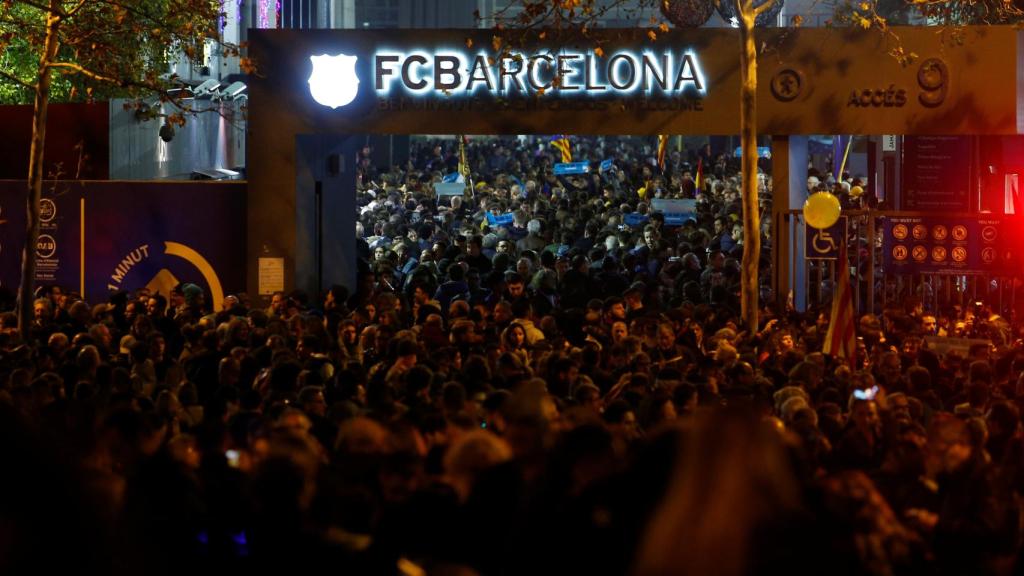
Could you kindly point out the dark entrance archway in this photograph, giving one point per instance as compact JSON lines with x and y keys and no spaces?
{"x":811,"y":81}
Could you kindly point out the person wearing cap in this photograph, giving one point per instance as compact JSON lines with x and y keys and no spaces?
{"x":192,"y":302}
{"x":634,"y":300}
{"x":177,"y":298}
{"x":614,"y":310}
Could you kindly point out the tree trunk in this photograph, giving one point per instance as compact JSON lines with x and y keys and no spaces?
{"x":35,"y":172}
{"x":748,"y":140}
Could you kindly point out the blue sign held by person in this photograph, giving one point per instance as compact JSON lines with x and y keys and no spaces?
{"x":676,"y":210}
{"x":449,"y":188}
{"x":606,"y":165}
{"x":569,"y":168}
{"x":503,"y":220}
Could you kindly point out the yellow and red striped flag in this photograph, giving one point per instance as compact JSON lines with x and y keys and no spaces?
{"x":841,"y":338}
{"x":463,"y":162}
{"x":699,"y":176}
{"x":662,"y":145}
{"x":561,"y":142}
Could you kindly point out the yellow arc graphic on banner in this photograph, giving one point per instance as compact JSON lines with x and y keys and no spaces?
{"x":197,"y":260}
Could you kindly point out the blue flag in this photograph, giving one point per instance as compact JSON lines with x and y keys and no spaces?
{"x":503,"y":220}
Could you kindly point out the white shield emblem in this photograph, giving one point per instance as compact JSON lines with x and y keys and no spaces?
{"x":333,"y":82}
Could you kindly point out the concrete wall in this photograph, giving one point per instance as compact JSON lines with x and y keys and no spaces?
{"x":214,"y":139}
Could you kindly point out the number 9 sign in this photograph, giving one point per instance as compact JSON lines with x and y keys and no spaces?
{"x":933,"y":78}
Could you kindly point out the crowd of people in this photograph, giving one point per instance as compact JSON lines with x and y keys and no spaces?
{"x":538,"y":376}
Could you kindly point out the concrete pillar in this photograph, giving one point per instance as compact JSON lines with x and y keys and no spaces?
{"x":336,"y":212}
{"x":789,"y":191}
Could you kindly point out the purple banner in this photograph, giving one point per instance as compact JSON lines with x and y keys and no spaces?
{"x":103,"y":237}
{"x":57,"y":254}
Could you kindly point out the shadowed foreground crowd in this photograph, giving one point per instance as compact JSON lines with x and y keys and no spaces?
{"x":560,"y":406}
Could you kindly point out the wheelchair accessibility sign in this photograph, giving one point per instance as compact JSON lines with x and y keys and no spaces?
{"x":824,"y":244}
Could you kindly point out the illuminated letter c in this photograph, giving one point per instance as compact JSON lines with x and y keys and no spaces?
{"x":407,"y":77}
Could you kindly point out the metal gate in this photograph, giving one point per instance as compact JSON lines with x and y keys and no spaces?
{"x":875,"y":288}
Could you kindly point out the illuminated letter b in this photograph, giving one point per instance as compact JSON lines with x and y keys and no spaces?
{"x":446,"y":66}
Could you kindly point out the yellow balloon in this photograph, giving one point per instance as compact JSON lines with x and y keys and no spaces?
{"x":821,"y":210}
{"x":856,"y":191}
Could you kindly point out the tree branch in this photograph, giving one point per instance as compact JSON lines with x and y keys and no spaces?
{"x":59,"y":13}
{"x":153,"y":18}
{"x":758,"y":10}
{"x":81,"y":4}
{"x":17,"y":80}
{"x":87,"y":73}
{"x":165,"y":95}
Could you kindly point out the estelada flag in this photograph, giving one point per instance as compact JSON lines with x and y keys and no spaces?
{"x":841,"y":338}
{"x":561,"y":142}
{"x":662,"y":145}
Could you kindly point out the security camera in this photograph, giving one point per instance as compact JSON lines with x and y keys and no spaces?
{"x":167,"y":132}
{"x":207,"y":89}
